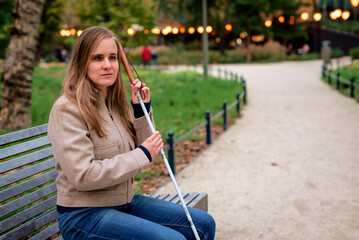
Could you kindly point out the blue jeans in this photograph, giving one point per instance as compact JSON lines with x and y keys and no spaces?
{"x":144,"y":218}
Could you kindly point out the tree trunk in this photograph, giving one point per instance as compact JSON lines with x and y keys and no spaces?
{"x":248,"y":47}
{"x":19,"y":65}
{"x":223,"y":31}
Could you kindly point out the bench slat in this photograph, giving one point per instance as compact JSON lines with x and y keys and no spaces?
{"x":191,"y":197}
{"x":27,"y":214}
{"x":59,"y":238}
{"x":26,"y":172}
{"x":170,"y":197}
{"x":27,"y":199}
{"x":31,"y":226}
{"x":177,"y":200}
{"x":46,"y":233}
{"x":25,"y":186}
{"x":23,"y":147}
{"x":161,"y":197}
{"x":200,"y":202}
{"x":23,"y":134}
{"x":26,"y":159}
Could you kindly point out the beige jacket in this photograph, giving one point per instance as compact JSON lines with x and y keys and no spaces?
{"x":94,"y":171}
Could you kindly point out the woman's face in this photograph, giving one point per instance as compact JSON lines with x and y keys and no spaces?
{"x":103,"y":65}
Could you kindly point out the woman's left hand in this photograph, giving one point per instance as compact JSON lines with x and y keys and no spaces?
{"x":144,"y":92}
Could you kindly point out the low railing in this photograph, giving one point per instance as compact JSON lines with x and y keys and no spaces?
{"x":171,"y":141}
{"x":328,"y":77}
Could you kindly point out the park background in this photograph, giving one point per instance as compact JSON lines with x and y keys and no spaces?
{"x":239,"y":31}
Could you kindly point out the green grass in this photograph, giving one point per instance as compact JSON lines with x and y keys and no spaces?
{"x":179,"y":99}
{"x":47,"y":85}
{"x":346,"y":72}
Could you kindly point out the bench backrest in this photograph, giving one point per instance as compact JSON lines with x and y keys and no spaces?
{"x":27,"y":185}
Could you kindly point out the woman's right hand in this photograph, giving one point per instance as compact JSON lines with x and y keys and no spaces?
{"x":153,"y":144}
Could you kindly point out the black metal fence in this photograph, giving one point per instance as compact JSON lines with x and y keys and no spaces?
{"x":339,"y":81}
{"x":240,"y":97}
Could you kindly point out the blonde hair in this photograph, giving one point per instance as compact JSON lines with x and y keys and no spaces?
{"x":80,"y":90}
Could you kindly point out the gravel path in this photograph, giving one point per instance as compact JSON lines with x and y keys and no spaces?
{"x":289,"y":168}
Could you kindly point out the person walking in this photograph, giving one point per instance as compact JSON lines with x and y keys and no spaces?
{"x":146,"y":56}
{"x":100,"y":145}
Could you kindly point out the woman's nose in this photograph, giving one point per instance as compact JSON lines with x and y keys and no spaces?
{"x":106,"y":63}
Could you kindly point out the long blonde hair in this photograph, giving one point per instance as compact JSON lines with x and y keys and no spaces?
{"x":80,"y":90}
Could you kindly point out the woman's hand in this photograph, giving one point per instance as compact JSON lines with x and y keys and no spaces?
{"x":153,"y":144}
{"x":144,"y":92}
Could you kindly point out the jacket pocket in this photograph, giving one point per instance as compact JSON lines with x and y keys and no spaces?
{"x":107,"y":151}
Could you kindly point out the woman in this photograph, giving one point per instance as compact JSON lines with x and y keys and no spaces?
{"x":99,"y":146}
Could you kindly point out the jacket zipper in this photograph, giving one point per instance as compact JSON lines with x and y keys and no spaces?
{"x":109,"y":113}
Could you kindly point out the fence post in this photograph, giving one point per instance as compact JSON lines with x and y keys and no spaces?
{"x":352,"y":87}
{"x":238,"y":103}
{"x":171,"y":152}
{"x":244,"y":90}
{"x":337,"y":81}
{"x":231,"y":75}
{"x":225,"y":74}
{"x":330,"y":77}
{"x":236,"y":76}
{"x":224,"y":116}
{"x":208,"y":127}
{"x":219,"y":73}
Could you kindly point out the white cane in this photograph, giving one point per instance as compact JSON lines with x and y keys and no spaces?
{"x":131,"y":77}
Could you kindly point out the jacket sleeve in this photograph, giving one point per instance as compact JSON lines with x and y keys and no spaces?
{"x":74,"y":153}
{"x":142,"y":129}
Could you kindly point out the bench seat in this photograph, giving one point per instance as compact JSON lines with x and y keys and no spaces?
{"x":28,"y":189}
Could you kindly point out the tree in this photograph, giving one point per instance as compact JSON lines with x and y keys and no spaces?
{"x":51,"y":19}
{"x":19,"y":65}
{"x":5,"y":22}
{"x":118,"y":16}
{"x":249,"y":16}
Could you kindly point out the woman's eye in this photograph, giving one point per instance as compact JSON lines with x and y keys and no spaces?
{"x":113,"y":58}
{"x":97,"y":58}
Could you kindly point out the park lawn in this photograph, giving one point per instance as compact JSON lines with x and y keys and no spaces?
{"x":347,"y":72}
{"x":179,"y":100}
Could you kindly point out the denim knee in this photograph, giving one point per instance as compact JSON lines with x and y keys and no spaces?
{"x":205,"y":224}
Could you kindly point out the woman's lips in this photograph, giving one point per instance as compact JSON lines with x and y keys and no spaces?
{"x":107,"y":75}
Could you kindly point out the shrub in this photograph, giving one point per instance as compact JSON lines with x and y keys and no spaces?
{"x":354,"y":52}
{"x":336,"y":53}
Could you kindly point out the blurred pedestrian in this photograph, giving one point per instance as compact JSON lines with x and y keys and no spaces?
{"x":146,"y":56}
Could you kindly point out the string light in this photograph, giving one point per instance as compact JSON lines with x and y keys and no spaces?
{"x":345,"y":15}
{"x":281,"y":19}
{"x":304,"y":16}
{"x":130,"y":31}
{"x":191,"y":30}
{"x":209,"y":29}
{"x":355,"y":3}
{"x":156,"y":31}
{"x":268,"y":23}
{"x":200,"y":29}
{"x":175,"y":30}
{"x":228,"y":27}
{"x":317,"y":17}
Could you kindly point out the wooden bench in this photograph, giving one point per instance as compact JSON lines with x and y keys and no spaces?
{"x":28,"y":190}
